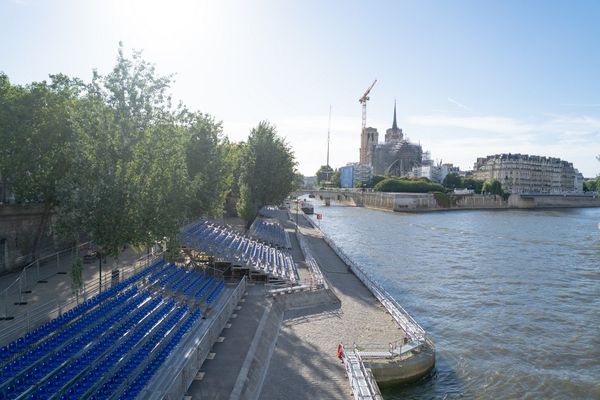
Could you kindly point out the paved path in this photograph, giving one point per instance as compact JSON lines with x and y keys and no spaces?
{"x":219,"y":375}
{"x":55,"y":288}
{"x":304,"y":364}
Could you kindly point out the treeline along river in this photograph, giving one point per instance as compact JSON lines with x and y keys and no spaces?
{"x":511,"y":297}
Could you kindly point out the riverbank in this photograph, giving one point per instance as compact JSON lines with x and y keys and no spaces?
{"x":305,"y":355}
{"x":425,"y":202}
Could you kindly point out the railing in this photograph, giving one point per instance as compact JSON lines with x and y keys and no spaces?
{"x":311,"y":263}
{"x":35,"y":316}
{"x":362,"y":383}
{"x":36,"y":271}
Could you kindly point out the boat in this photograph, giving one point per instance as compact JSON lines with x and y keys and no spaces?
{"x":307,"y":208}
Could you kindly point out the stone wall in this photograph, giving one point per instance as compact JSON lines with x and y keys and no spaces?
{"x":19,"y":224}
{"x":413,"y":202}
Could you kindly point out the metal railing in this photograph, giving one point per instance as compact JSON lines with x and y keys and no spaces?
{"x":52,"y":308}
{"x":361,"y":379}
{"x":317,"y":276}
{"x":39,"y":270}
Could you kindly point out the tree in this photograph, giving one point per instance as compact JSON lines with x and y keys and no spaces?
{"x":452,"y":181}
{"x":37,"y":134}
{"x":397,"y":185}
{"x":492,"y":186}
{"x":267,"y":168}
{"x":129,"y":183}
{"x":205,"y":156}
{"x":472,"y":184}
{"x":324,"y":174}
{"x":335,"y":179}
{"x":298,"y":181}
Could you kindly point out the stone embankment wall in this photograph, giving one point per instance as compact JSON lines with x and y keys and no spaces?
{"x":19,"y":224}
{"x":413,"y":202}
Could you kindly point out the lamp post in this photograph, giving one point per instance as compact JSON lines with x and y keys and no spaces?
{"x":297,"y":203}
{"x":99,"y":250}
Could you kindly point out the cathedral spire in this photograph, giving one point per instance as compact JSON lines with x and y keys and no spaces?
{"x":394,"y":125}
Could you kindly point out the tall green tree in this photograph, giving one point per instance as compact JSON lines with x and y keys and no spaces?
{"x":324,"y":173}
{"x":130,"y":180}
{"x":492,"y":186}
{"x":37,"y":136}
{"x":206,"y":153}
{"x":452,"y":181}
{"x":267,"y":168}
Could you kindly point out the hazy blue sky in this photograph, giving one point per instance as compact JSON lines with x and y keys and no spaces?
{"x":471,"y":78}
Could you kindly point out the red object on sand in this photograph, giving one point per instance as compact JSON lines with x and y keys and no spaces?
{"x":340,"y":352}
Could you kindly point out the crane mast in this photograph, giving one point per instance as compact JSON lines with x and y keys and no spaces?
{"x":363,"y":136}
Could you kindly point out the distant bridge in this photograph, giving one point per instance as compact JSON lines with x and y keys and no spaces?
{"x":327,"y":195}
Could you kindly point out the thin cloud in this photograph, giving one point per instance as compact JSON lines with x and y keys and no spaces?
{"x":493,"y":124}
{"x":459,"y":104}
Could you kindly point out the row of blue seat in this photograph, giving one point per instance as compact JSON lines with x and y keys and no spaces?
{"x":272,"y":232}
{"x":204,"y":288}
{"x":227,"y":243}
{"x":110,"y":386}
{"x":30,"y":338}
{"x":215,"y":292}
{"x":188,"y":277}
{"x":155,"y":277}
{"x":188,"y":290}
{"x":85,"y":362}
{"x":91,"y":322}
{"x":44,"y":367}
{"x":78,"y":362}
{"x":134,"y":389}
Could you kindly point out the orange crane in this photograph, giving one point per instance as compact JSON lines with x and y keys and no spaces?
{"x":363,"y":141}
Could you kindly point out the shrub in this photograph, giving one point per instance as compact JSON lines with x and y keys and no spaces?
{"x":397,"y":185}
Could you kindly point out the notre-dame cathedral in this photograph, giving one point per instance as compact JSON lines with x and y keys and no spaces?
{"x":397,"y":156}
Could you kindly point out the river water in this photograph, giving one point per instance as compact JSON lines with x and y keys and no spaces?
{"x":510,"y":297}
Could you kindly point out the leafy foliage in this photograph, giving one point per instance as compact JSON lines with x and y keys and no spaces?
{"x":324,"y":173}
{"x":398,"y":185}
{"x":114,"y":158}
{"x":492,"y":186}
{"x":267,"y":170}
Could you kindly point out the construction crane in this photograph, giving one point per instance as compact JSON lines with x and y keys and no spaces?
{"x":363,"y":141}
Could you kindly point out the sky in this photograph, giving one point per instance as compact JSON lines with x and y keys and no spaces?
{"x":470,"y":78}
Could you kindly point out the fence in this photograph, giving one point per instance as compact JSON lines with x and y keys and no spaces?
{"x":38,"y":271}
{"x":34,"y":316}
{"x":361,"y":379}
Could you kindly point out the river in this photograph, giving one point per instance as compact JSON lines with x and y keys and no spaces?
{"x":510,"y":297}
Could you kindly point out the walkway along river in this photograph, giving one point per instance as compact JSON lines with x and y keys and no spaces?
{"x":510,"y":297}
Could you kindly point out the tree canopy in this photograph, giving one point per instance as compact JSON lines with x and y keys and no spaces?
{"x":115,"y":159}
{"x":492,"y":186}
{"x":398,"y":185}
{"x":267,"y":171}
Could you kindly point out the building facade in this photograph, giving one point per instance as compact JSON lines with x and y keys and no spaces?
{"x":435,"y":173}
{"x":355,"y":174}
{"x":521,"y":173}
{"x":396,"y":156}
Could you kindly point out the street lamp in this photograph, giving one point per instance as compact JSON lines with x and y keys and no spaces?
{"x":297,"y":202}
{"x":99,"y":253}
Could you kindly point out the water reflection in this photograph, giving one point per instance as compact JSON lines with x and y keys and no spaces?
{"x":512,"y":297}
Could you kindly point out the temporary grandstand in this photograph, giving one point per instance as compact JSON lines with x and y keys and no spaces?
{"x":270,"y":231}
{"x":244,"y":254}
{"x":111,"y":345}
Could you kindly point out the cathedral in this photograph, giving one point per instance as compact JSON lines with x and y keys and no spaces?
{"x":396,"y":156}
